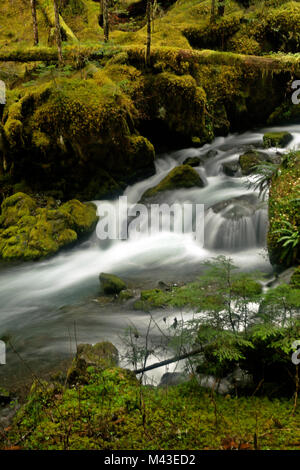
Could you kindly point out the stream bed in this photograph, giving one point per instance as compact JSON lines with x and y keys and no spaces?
{"x":46,"y":306}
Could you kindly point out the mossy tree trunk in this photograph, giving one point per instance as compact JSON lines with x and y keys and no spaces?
{"x":105,"y":20}
{"x":149,"y":18}
{"x":34,"y":22}
{"x":58,"y":32}
{"x":213,"y":11}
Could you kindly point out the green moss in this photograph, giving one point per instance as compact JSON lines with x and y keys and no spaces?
{"x":111,"y":284}
{"x":28,"y":231}
{"x":183,"y":176}
{"x":126,"y":294}
{"x":213,"y":35}
{"x":248,"y":162}
{"x":277,"y":139}
{"x":103,"y":411}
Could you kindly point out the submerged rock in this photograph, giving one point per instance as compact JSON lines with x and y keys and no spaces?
{"x":231,"y":168}
{"x":126,"y":294}
{"x":277,"y":139}
{"x":236,"y":208}
{"x":102,"y":355}
{"x":183,"y":176}
{"x":193,"y":161}
{"x":111,"y":284}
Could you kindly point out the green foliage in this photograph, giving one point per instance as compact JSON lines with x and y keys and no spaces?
{"x":112,"y":411}
{"x":284,"y":212}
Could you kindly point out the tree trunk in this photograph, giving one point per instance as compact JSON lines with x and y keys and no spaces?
{"x":34,"y":22}
{"x":213,"y":11}
{"x":221,"y":8}
{"x":169,"y":361}
{"x":58,"y":32}
{"x":148,"y":15}
{"x":105,"y":20}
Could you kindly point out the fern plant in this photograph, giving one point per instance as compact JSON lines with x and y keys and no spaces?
{"x":290,"y":241}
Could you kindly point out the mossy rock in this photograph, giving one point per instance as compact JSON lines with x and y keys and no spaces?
{"x":101,"y":356}
{"x":126,"y":294}
{"x":111,"y":284}
{"x":183,"y":176}
{"x":249,"y":160}
{"x":78,"y":136}
{"x":277,"y":139}
{"x":193,"y":161}
{"x":29,"y":231}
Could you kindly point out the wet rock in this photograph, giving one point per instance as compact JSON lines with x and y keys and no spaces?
{"x":277,"y":139}
{"x":236,"y":208}
{"x":7,"y":414}
{"x":193,"y":161}
{"x":283,"y":278}
{"x":5,"y":396}
{"x":249,"y":160}
{"x":239,"y":379}
{"x":210,"y":154}
{"x":183,"y":176}
{"x":231,"y":168}
{"x":170,"y":379}
{"x":126,"y":294}
{"x":102,"y":356}
{"x":111,"y":284}
{"x":163,"y":286}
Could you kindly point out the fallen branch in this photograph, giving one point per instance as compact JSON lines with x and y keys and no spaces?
{"x":169,"y":361}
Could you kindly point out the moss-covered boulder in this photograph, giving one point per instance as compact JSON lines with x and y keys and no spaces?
{"x":75,"y":136}
{"x":30,"y":230}
{"x":183,"y":176}
{"x":249,"y":160}
{"x":277,"y":139}
{"x":102,"y":356}
{"x":111,"y":284}
{"x":176,"y":107}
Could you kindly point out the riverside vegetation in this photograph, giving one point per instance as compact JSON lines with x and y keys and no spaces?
{"x":84,"y":125}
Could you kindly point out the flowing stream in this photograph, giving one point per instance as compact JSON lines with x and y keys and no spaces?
{"x":41,"y":302}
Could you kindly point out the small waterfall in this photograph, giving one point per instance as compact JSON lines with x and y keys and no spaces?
{"x":235,"y":234}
